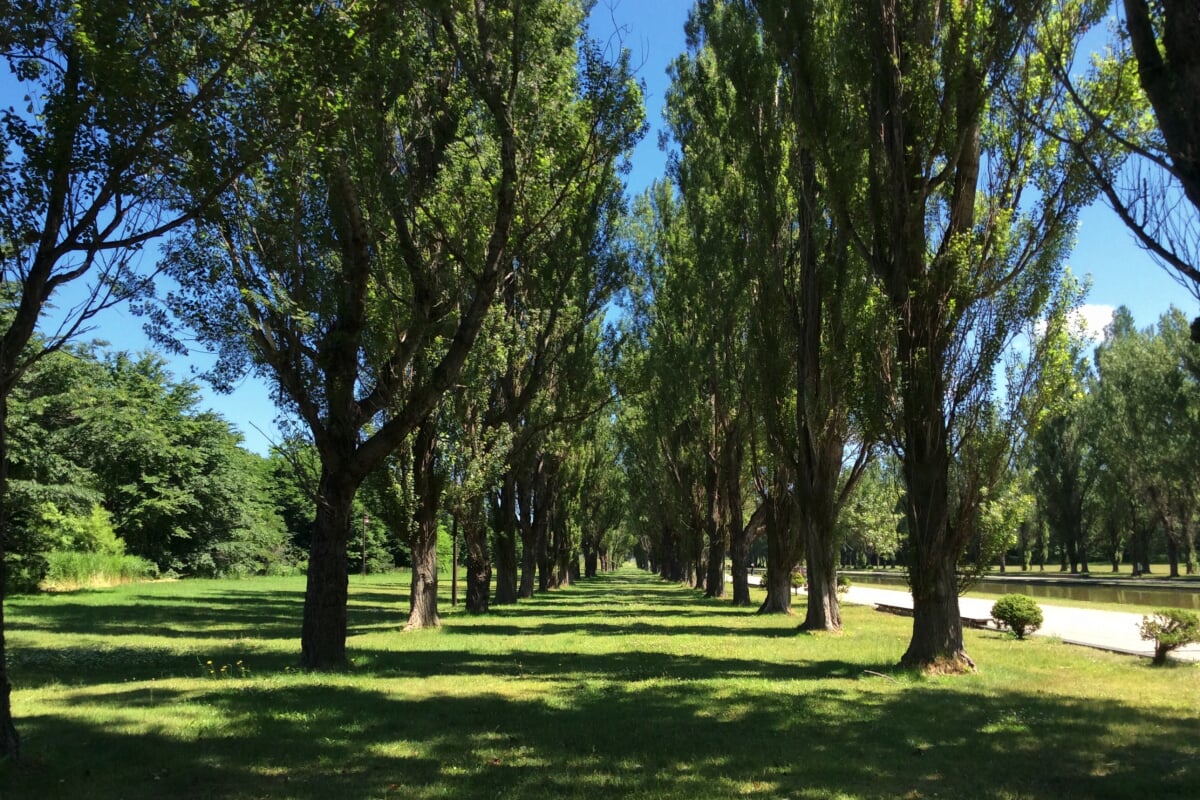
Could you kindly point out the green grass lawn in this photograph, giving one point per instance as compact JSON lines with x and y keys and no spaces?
{"x":623,"y":686}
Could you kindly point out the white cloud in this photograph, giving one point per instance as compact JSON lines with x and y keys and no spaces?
{"x":1090,"y":320}
{"x":1093,"y":319}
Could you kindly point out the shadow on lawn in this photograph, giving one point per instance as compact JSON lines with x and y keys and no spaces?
{"x":614,"y":739}
{"x":624,"y":667}
{"x":230,"y":614}
{"x":618,"y":628}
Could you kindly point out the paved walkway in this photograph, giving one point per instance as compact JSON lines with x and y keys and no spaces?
{"x":1108,"y":630}
{"x":1103,"y":629}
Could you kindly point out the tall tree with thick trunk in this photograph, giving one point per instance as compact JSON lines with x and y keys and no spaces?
{"x":964,"y":221}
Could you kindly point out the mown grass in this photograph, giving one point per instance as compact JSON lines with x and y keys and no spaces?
{"x":622,"y":686}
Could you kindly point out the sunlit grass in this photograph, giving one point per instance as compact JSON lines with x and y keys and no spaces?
{"x":623,"y":686}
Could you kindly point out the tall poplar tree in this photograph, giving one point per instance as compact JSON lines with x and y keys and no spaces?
{"x":967,"y":213}
{"x":816,"y":317}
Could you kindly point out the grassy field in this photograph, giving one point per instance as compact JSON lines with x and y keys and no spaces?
{"x":623,"y":686}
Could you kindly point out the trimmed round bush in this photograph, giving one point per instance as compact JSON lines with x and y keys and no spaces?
{"x":1170,"y":628}
{"x":1017,"y":612}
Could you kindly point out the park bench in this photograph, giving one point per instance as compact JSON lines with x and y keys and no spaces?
{"x":904,"y":611}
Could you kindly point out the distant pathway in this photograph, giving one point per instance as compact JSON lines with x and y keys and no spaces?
{"x":1109,"y":630}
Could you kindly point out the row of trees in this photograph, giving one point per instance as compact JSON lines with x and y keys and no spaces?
{"x":397,"y":213}
{"x":1115,"y":469}
{"x":109,"y":451}
{"x":1109,"y":475}
{"x":873,"y":204}
{"x":860,"y":249}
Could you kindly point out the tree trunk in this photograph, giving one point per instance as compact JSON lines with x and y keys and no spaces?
{"x":698,"y":569}
{"x":781,"y":554}
{"x":506,"y":529}
{"x":715,"y":523}
{"x":479,"y":566}
{"x":528,"y":538}
{"x":563,"y":557}
{"x":323,"y":631}
{"x":715,"y":582}
{"x":591,"y":558}
{"x":739,"y":544}
{"x":665,"y":547}
{"x":937,"y":641}
{"x":423,"y":608}
{"x":674,"y":565}
{"x":10,"y":741}
{"x":779,"y":592}
{"x":1145,"y":549}
{"x":823,"y":613}
{"x":543,"y":513}
{"x":739,"y":561}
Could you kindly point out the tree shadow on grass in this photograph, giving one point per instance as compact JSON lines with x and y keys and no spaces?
{"x":621,"y":628}
{"x":612,"y":738}
{"x":623,"y":667}
{"x":231,"y":614}
{"x":221,"y":613}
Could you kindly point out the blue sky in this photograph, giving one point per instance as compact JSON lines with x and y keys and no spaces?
{"x":652,"y":30}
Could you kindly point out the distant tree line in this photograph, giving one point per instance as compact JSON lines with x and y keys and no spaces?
{"x":112,"y":441}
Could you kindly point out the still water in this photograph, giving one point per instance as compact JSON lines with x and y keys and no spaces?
{"x":1093,"y":590}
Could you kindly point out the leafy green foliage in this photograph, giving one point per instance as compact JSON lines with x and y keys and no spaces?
{"x":1019,"y":613}
{"x":871,"y":524}
{"x":1144,"y":419}
{"x":1169,"y":629}
{"x":112,"y":456}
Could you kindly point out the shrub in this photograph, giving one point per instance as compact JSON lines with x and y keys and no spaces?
{"x":1017,"y":612}
{"x":843,"y":584}
{"x":70,"y":570}
{"x":1170,"y":628}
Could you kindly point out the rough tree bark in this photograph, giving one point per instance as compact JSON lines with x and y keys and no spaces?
{"x":783,"y":550}
{"x":823,"y":611}
{"x":505,"y":530}
{"x":739,"y":543}
{"x":423,"y":608}
{"x":479,"y":566}
{"x":10,"y":741}
{"x":937,"y":639}
{"x":323,"y":630}
{"x":524,"y":486}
